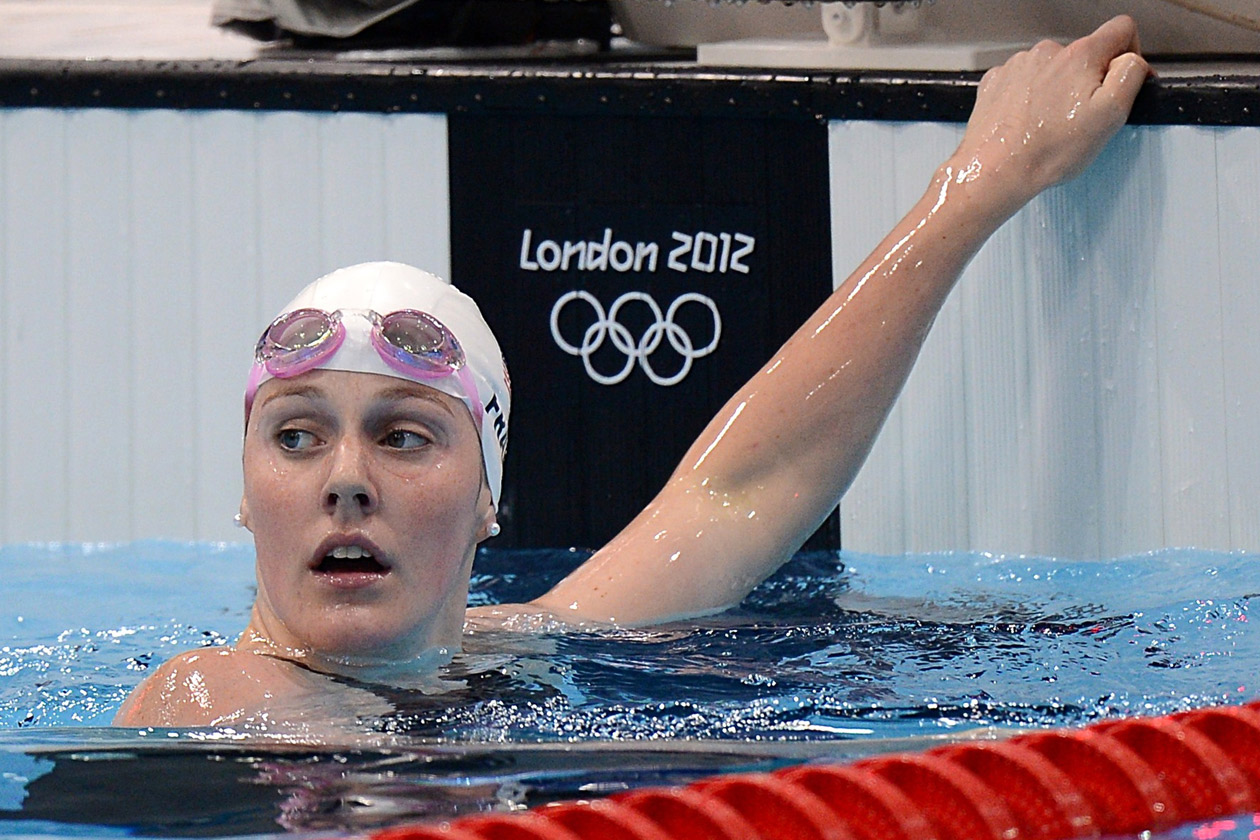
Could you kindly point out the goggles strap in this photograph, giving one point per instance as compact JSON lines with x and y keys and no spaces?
{"x":471,"y":397}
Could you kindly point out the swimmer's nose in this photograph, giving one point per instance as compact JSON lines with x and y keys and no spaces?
{"x":349,"y":490}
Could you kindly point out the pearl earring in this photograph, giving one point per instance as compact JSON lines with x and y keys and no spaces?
{"x":237,"y":521}
{"x":494,"y":529}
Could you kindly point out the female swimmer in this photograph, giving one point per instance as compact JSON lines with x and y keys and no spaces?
{"x":377,"y":413}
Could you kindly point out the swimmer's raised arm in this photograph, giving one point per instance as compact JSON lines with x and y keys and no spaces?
{"x":775,"y":460}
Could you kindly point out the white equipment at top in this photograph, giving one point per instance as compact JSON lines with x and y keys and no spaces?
{"x":944,"y":35}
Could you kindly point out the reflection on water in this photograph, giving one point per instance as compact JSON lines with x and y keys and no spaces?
{"x":831,"y":654}
{"x":187,"y":787}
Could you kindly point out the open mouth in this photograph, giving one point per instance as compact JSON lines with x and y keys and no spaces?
{"x":350,"y":559}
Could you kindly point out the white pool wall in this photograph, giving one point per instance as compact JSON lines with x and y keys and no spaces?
{"x":1091,"y":388}
{"x":140,"y":251}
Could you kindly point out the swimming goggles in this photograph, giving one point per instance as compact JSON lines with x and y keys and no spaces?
{"x":413,"y":343}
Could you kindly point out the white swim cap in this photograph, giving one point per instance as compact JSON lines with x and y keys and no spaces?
{"x":386,"y":287}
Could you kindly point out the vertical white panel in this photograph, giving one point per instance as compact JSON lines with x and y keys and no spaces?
{"x":934,"y":440}
{"x":224,"y":273}
{"x":863,"y":210}
{"x":5,"y":456}
{"x":289,"y":208}
{"x":994,"y":296}
{"x":417,"y":192}
{"x":98,"y":325}
{"x":1064,"y":477}
{"x":181,"y":233}
{"x":1238,"y":174}
{"x":1192,"y":398}
{"x":36,"y":385}
{"x":1079,"y":438}
{"x":163,"y":344}
{"x":934,"y":433}
{"x":339,"y":189}
{"x":1115,"y":198}
{"x":352,"y":171}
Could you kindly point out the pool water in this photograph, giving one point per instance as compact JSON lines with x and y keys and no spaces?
{"x":836,"y":655}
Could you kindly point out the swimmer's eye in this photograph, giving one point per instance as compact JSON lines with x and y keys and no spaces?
{"x":295,"y":440}
{"x":404,"y":439}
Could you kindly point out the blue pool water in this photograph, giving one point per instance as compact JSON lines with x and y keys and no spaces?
{"x":835,"y":655}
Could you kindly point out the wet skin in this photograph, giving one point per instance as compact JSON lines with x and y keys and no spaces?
{"x":368,"y":463}
{"x":384,"y":471}
{"x":772,"y":463}
{"x":778,"y":456}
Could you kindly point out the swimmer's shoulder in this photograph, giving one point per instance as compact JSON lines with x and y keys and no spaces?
{"x":209,"y":687}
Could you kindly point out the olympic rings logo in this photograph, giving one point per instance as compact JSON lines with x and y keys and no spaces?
{"x":607,"y":327}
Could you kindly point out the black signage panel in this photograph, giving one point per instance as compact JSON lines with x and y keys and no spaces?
{"x":637,"y":270}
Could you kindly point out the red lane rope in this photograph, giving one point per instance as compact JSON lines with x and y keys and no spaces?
{"x":1117,"y":777}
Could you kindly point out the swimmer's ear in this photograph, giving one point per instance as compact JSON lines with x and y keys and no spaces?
{"x":488,"y":526}
{"x":242,"y":518}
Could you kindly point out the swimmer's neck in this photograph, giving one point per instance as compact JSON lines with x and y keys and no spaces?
{"x":391,"y":670}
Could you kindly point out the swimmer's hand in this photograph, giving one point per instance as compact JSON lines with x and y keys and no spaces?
{"x":1042,"y":118}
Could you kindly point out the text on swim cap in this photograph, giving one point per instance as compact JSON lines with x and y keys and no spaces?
{"x":500,"y":426}
{"x":701,"y":251}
